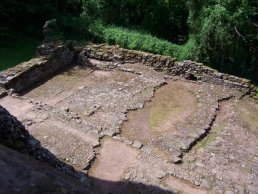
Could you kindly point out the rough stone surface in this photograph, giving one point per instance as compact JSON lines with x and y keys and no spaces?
{"x":3,"y":92}
{"x":14,"y":135}
{"x":137,"y":144}
{"x":50,"y":30}
{"x":189,"y":69}
{"x":192,"y":136}
{"x":22,"y":174}
{"x":52,"y":57}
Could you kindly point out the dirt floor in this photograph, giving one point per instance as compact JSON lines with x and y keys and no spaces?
{"x":144,"y":131}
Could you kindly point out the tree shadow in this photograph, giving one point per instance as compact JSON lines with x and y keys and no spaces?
{"x":125,"y":187}
{"x":67,"y":71}
{"x":14,"y":135}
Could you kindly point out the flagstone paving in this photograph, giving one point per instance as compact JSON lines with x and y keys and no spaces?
{"x":128,"y":123}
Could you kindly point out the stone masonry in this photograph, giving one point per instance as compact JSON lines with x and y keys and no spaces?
{"x":188,"y":69}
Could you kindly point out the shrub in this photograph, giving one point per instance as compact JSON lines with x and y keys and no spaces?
{"x":74,"y":27}
{"x":135,"y":40}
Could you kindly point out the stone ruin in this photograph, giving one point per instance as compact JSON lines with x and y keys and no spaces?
{"x":121,"y":121}
{"x":54,"y":55}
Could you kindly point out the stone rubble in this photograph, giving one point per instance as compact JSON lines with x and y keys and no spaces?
{"x":78,"y":114}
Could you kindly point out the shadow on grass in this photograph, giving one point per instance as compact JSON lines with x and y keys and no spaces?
{"x":18,"y":48}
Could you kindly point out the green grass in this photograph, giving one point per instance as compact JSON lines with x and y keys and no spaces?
{"x":211,"y":137}
{"x":19,"y":48}
{"x":16,"y":49}
{"x":135,"y":40}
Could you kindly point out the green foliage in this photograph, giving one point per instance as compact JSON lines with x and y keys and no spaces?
{"x":29,"y":16}
{"x":20,"y":48}
{"x":96,"y":29}
{"x":135,"y":40}
{"x":188,"y":50}
{"x":74,"y":27}
{"x":163,"y":18}
{"x":225,"y":34}
{"x":219,"y":33}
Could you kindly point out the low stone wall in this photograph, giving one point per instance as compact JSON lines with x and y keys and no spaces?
{"x":54,"y":56}
{"x":114,"y":53}
{"x":188,"y":69}
{"x":51,"y":57}
{"x":198,"y":71}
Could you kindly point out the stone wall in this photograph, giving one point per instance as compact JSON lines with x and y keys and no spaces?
{"x":188,"y":69}
{"x":54,"y":56}
{"x":2,"y":92}
{"x":51,"y":57}
{"x":114,"y":53}
{"x":14,"y":135}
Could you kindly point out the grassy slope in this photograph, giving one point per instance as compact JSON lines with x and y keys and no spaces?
{"x":16,"y":49}
{"x":132,"y":39}
{"x":135,"y":40}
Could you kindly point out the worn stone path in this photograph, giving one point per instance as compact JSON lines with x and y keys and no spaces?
{"x":128,"y":123}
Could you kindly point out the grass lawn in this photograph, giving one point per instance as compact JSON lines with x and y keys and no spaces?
{"x":16,"y":49}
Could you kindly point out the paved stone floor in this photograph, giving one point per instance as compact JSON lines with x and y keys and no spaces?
{"x":128,"y":123}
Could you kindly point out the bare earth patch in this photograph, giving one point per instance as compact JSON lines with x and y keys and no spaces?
{"x":114,"y":159}
{"x":130,"y":133}
{"x":172,"y":104}
{"x":15,"y":106}
{"x":62,"y":86}
{"x":249,"y":113}
{"x":183,"y":187}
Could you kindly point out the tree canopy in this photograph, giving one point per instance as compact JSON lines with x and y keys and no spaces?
{"x":220,"y":33}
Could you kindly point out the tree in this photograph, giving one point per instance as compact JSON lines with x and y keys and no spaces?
{"x":223,"y":34}
{"x":14,"y":13}
{"x":162,"y":18}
